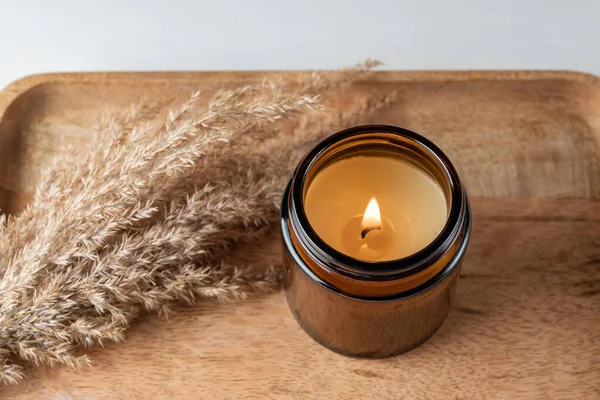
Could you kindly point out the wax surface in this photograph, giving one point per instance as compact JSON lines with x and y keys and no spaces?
{"x":409,"y":199}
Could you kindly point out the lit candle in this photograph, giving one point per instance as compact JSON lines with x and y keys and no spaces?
{"x":376,"y":207}
{"x":375,"y":222}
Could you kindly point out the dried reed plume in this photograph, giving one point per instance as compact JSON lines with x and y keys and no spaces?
{"x":148,"y":216}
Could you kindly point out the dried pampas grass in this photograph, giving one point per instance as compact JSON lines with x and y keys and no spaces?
{"x":148,"y":216}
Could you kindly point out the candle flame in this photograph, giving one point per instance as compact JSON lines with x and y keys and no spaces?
{"x":372,"y":217}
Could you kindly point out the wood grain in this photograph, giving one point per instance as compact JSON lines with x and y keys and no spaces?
{"x":526,"y":322}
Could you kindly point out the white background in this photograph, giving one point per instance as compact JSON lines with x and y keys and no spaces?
{"x":77,"y":35}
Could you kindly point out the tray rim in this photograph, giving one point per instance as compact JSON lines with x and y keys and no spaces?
{"x":22,"y":86}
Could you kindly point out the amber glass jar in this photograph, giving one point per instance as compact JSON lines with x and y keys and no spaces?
{"x":365,"y":308}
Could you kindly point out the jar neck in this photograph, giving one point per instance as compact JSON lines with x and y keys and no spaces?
{"x":377,"y":279}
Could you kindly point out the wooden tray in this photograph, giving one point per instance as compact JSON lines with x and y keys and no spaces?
{"x":526,"y":323}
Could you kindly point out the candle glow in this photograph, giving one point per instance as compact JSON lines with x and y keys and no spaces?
{"x":375,"y":208}
{"x":372,"y":218}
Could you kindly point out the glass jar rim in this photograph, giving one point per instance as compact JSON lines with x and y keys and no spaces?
{"x":357,"y":268}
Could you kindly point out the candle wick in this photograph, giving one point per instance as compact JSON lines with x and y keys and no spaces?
{"x":368,"y":229}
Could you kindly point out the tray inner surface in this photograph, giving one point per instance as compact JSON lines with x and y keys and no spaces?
{"x":526,"y":320}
